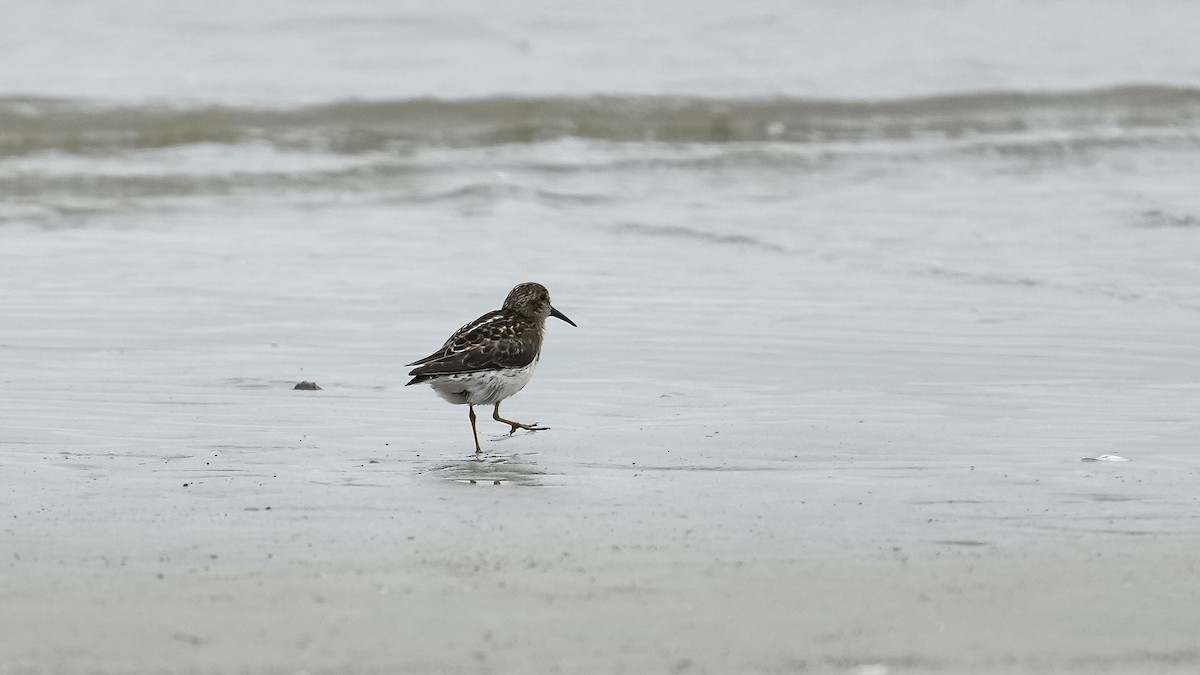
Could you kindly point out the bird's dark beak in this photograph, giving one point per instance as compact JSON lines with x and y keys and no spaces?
{"x":559,"y":315}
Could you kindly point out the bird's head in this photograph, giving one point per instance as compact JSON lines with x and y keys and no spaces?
{"x":532,"y":301}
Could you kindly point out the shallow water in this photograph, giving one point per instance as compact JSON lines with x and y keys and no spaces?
{"x":837,"y":363}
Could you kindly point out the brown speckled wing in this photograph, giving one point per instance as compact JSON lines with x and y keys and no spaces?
{"x":495,"y":340}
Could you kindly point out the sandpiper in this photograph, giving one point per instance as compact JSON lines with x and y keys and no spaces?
{"x":493,"y":357}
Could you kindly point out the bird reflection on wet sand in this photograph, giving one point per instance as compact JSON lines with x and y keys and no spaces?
{"x":489,"y":470}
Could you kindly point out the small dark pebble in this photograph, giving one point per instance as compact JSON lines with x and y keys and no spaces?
{"x":307,"y":386}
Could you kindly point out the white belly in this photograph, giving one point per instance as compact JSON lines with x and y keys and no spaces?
{"x":484,"y":388}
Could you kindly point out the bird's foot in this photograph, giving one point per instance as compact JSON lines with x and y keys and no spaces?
{"x":513,"y":425}
{"x":526,"y":427}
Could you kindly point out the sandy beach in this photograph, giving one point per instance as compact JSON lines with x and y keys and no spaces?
{"x":829,"y":500}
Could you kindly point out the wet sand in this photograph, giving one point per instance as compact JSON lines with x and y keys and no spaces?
{"x":310,"y":558}
{"x":759,"y":459}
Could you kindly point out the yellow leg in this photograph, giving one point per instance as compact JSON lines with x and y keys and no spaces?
{"x":474,"y":431}
{"x":515,"y":425}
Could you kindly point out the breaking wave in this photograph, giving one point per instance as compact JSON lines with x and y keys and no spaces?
{"x":60,"y":159}
{"x":30,"y":125}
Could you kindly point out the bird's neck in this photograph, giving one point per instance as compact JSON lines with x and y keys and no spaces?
{"x":536,"y":322}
